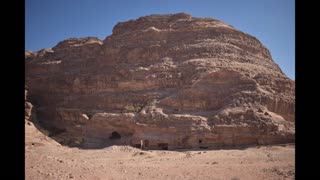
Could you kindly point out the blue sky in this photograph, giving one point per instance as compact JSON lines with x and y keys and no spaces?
{"x":271,"y":21}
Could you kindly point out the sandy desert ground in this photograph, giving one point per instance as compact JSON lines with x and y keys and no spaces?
{"x":45,"y":159}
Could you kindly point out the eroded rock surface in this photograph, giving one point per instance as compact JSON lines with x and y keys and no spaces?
{"x":174,"y":81}
{"x":34,"y":137}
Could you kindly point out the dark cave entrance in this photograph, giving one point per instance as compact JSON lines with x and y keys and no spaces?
{"x":115,"y":135}
{"x":146,"y":143}
{"x":137,"y":145}
{"x":201,"y":146}
{"x":163,"y":146}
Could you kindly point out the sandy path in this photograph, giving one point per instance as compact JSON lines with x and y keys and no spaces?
{"x":46,"y":160}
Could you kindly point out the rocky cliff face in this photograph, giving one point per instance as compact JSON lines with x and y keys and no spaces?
{"x":174,"y":81}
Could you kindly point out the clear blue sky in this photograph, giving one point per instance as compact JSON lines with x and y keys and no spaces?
{"x":271,"y":21}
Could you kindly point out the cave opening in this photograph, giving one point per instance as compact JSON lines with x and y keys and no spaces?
{"x":163,"y":146}
{"x":137,"y":145}
{"x":115,"y":135}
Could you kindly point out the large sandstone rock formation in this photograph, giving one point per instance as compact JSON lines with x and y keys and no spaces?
{"x":34,"y":137}
{"x":174,"y":81}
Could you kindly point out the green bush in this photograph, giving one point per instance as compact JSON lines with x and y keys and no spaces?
{"x":131,"y":108}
